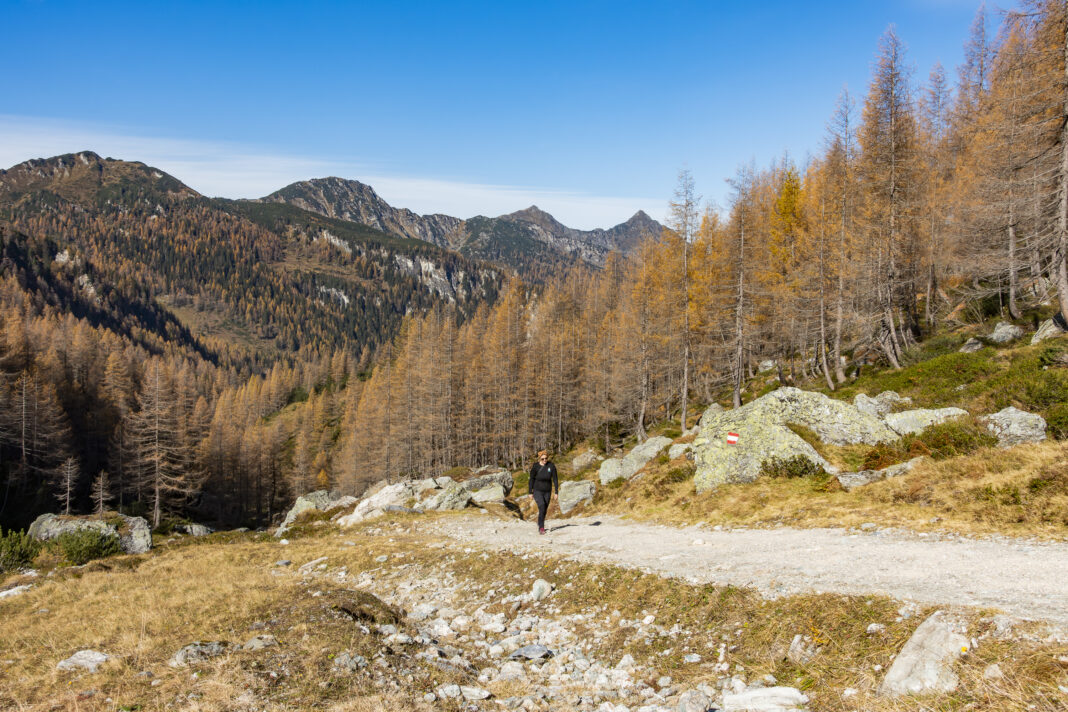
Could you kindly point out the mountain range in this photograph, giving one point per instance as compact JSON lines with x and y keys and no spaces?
{"x":520,"y":240}
{"x":320,"y":264}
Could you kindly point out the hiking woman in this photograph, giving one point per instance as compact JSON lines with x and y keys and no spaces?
{"x":544,"y":486}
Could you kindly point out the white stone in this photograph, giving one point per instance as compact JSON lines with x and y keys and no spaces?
{"x":541,"y":589}
{"x":925,"y":664}
{"x":765,"y":699}
{"x":90,"y":660}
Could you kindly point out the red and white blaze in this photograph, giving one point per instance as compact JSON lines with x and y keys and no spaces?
{"x":732,"y":438}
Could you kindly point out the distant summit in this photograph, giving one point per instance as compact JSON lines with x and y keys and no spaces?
{"x":530,"y":241}
{"x":358,"y":202}
{"x":85,"y":176}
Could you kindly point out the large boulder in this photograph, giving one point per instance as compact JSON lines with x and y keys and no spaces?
{"x":492,"y":493}
{"x":572,"y":494}
{"x":763,"y":434}
{"x":498,"y":477}
{"x":320,"y":500}
{"x":610,"y":470}
{"x":640,"y":456}
{"x":881,"y":404}
{"x":453,"y":497}
{"x":910,"y":422}
{"x":616,"y":468}
{"x":1005,"y":332}
{"x":583,"y":460}
{"x":925,"y":664}
{"x":1049,"y":329}
{"x":394,"y":495}
{"x":135,"y":536}
{"x":1015,"y":427}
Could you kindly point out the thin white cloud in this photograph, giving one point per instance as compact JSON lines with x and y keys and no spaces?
{"x":236,"y":171}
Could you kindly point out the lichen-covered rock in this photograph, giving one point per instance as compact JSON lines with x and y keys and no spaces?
{"x":925,"y":664}
{"x":497,"y":477}
{"x":910,"y":422}
{"x":1015,"y":427}
{"x":1049,"y":329}
{"x":640,"y":456}
{"x":610,"y":470}
{"x":320,"y":500}
{"x":852,"y":480}
{"x":881,"y":404}
{"x":452,"y":497}
{"x":679,"y":449}
{"x":763,"y":434}
{"x":971,"y":346}
{"x":492,"y":493}
{"x":572,"y":494}
{"x":583,"y":460}
{"x":195,"y":529}
{"x":198,"y":652}
{"x":1005,"y":332}
{"x":135,"y":536}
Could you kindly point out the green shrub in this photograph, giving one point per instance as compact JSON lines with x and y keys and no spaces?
{"x":679,"y":474}
{"x":17,"y":550}
{"x":796,"y":466}
{"x":672,"y":432}
{"x":1057,"y":421}
{"x":1053,"y":355}
{"x":951,"y":439}
{"x":939,"y":442}
{"x":457,"y":473}
{"x":84,"y":545}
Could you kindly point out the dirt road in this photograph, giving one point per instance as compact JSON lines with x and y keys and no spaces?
{"x":1022,"y":578}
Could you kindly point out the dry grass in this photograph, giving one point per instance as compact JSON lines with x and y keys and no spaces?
{"x":1021,"y":492}
{"x":221,"y":589}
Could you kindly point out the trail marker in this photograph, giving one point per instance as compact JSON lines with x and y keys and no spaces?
{"x":732,"y":438}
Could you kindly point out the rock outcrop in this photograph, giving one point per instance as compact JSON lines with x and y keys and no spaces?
{"x":320,"y":500}
{"x":493,"y":477}
{"x":1012,"y":426}
{"x":629,"y":465}
{"x":763,"y":434}
{"x":135,"y":536}
{"x":881,"y":404}
{"x":971,"y":346}
{"x":911,"y":422}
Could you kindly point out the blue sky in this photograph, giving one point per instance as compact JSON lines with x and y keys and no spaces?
{"x":587,"y":109}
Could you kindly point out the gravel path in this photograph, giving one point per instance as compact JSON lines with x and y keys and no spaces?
{"x":1022,"y":578}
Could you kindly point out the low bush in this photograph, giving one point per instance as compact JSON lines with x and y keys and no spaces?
{"x":84,"y":545}
{"x":1057,"y":421}
{"x":17,"y":550}
{"x":678,"y":474}
{"x":939,"y":442}
{"x":796,"y":466}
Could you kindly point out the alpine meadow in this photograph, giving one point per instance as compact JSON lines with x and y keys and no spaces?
{"x":809,"y":447}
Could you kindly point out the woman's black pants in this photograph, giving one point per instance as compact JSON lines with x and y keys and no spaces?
{"x":543,"y":499}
